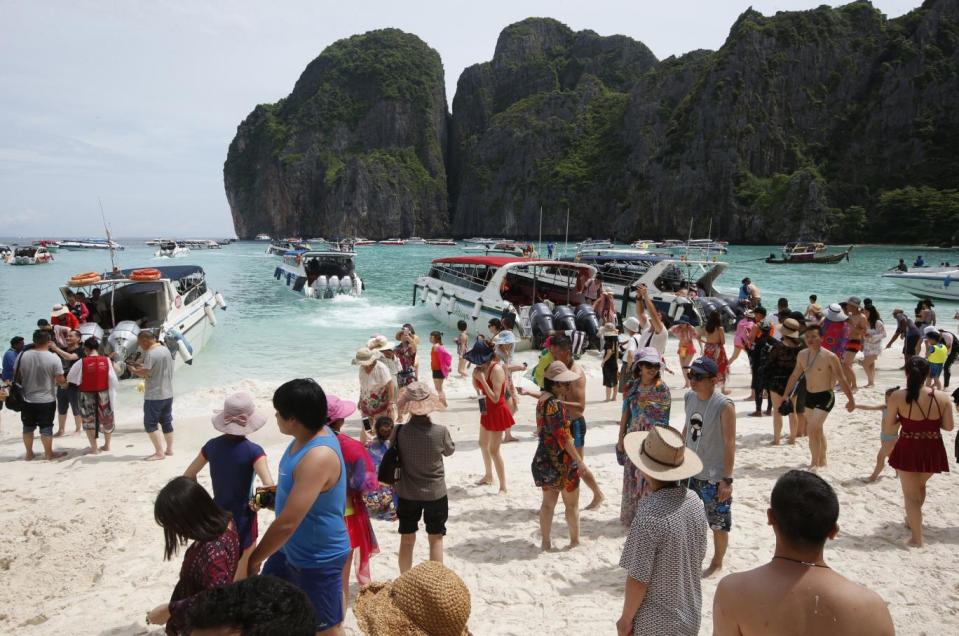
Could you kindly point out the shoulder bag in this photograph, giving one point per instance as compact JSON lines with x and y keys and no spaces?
{"x":390,"y":467}
{"x":14,"y":400}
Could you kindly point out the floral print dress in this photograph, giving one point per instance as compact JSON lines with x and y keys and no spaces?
{"x":553,"y":468}
{"x":647,"y":406}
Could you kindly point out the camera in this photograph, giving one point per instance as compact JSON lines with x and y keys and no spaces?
{"x":265,"y":497}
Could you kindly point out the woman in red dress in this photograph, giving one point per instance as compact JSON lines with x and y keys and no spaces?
{"x":489,"y":377}
{"x":919,"y":452}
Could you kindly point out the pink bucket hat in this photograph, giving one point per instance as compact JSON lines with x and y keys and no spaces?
{"x":337,"y":409}
{"x":239,"y":416}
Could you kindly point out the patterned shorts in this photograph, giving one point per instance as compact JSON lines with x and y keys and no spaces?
{"x":718,"y":513}
{"x":94,"y":407}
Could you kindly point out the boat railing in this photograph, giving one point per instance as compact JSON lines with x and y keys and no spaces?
{"x":470,"y":276}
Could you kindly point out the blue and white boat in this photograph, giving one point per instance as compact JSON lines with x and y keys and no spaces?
{"x":941,"y":283}
{"x":173,"y":300}
{"x":320,"y":273}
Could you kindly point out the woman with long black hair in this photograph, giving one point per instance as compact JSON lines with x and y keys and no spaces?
{"x":919,"y":452}
{"x":715,"y":346}
{"x":186,"y":512}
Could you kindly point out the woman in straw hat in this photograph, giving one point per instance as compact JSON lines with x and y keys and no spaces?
{"x":489,"y":377}
{"x":360,"y":480}
{"x":377,"y":390}
{"x":421,"y":491}
{"x":647,"y":404}
{"x":429,"y":600}
{"x":666,"y":544}
{"x":557,"y":464}
{"x":234,"y":460}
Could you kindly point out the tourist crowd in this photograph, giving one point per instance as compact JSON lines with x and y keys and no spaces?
{"x":678,"y":477}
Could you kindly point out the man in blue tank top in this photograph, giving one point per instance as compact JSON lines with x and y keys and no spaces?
{"x":307,"y":543}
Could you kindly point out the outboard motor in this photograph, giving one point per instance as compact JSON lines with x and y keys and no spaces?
{"x":320,"y":285}
{"x":540,"y":323}
{"x":91,"y":330}
{"x":122,"y":343}
{"x":564,"y":318}
{"x":334,"y":286}
{"x":588,"y":322}
{"x":346,"y":284}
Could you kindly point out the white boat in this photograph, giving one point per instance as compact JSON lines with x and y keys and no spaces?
{"x":596,"y":244}
{"x":487,"y":242}
{"x":31,"y":255}
{"x":173,"y":300}
{"x":440,"y":242}
{"x":90,"y":244}
{"x":415,"y":240}
{"x":941,"y":283}
{"x":677,"y":286}
{"x":262,"y":237}
{"x":201,"y":244}
{"x":511,"y":248}
{"x":393,"y":241}
{"x":321,"y":273}
{"x":542,"y":293}
{"x":172,"y":249}
{"x":280,"y":247}
{"x":52,"y":246}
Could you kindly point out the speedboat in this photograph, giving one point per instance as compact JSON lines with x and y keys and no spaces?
{"x":677,"y":286}
{"x":941,"y":283}
{"x":393,"y":241}
{"x":321,"y":273}
{"x":503,"y":247}
{"x":91,"y":244}
{"x":543,"y":295}
{"x":174,"y":300}
{"x":201,"y":244}
{"x":172,"y":249}
{"x":31,"y":255}
{"x":52,"y":246}
{"x":262,"y":237}
{"x":440,"y":242}
{"x":595,"y":243}
{"x":485,"y":242}
{"x":281,"y":247}
{"x":415,"y":240}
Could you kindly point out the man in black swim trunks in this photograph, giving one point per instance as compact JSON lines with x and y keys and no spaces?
{"x":822,"y":371}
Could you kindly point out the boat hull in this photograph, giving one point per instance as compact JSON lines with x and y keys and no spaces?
{"x":941,"y":286}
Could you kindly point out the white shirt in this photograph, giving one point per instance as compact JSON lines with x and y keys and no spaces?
{"x":647,"y":338}
{"x":377,"y":378}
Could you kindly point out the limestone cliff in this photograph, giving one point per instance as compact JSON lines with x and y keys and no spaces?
{"x":358,"y":147}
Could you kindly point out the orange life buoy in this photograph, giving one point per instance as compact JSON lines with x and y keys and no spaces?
{"x":86,"y":278}
{"x":145,"y":274}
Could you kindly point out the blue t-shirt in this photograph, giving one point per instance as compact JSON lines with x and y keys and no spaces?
{"x":9,"y":361}
{"x":231,"y":460}
{"x":321,"y":536}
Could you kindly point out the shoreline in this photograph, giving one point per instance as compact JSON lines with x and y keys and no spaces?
{"x":81,"y":530}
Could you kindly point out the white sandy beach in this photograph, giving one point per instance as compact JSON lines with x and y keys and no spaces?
{"x":83,"y":555}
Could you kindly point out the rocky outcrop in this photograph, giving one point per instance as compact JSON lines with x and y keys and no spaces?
{"x":358,"y":147}
{"x":797,"y":126}
{"x":826,"y":123}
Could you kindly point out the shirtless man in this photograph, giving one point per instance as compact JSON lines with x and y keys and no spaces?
{"x":858,"y":325}
{"x":796,"y":592}
{"x":561,"y":347}
{"x":823,"y":371}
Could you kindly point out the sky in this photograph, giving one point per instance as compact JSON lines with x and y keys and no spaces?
{"x":134,"y":102}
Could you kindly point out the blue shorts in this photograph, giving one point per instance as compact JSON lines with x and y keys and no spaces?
{"x":322,"y":585}
{"x":935,"y":370}
{"x":718,"y":513}
{"x":68,"y":398}
{"x":158,"y":412}
{"x":578,"y":428}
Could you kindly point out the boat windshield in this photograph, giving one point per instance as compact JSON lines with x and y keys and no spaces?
{"x":529,"y":284}
{"x":26,"y":251}
{"x":468,"y":275}
{"x":327,"y":265}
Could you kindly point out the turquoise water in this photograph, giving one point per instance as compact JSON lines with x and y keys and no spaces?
{"x":270,"y":333}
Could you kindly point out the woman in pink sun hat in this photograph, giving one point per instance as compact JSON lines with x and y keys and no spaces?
{"x":360,"y":480}
{"x":233,"y":461}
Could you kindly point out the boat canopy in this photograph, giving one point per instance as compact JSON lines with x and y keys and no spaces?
{"x":487,"y":261}
{"x":171,"y":272}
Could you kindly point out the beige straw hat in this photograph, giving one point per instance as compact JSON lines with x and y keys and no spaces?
{"x":661,"y":453}
{"x":428,"y":600}
{"x":417,"y":398}
{"x":559,"y":372}
{"x":364,"y":357}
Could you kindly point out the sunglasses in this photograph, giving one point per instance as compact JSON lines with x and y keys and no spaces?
{"x":698,"y":376}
